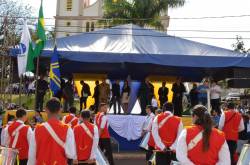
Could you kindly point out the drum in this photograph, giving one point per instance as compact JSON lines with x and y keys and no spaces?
{"x":8,"y":156}
{"x":244,"y":158}
{"x":144,"y":142}
{"x":100,"y":158}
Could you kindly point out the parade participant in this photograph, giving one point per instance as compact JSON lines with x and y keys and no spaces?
{"x":86,"y":138}
{"x":71,"y":118}
{"x":4,"y":132}
{"x":147,"y":128}
{"x":231,"y":123}
{"x":102,"y":123}
{"x":201,"y":144}
{"x":166,"y":130}
{"x":52,"y":142}
{"x":19,"y":136}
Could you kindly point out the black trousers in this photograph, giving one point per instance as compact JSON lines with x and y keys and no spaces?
{"x":149,"y":153}
{"x":39,"y":102}
{"x":105,"y":146}
{"x":96,"y":104}
{"x":215,"y":103}
{"x":83,"y":100}
{"x":232,"y":145}
{"x":178,"y":109}
{"x":115,"y":101}
{"x":23,"y":162}
{"x":163,"y":101}
{"x":164,"y":158}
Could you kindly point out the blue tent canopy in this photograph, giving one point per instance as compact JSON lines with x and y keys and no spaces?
{"x":130,"y":49}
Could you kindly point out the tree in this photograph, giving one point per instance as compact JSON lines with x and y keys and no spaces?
{"x":139,"y":12}
{"x":12,"y":13}
{"x":239,"y":46}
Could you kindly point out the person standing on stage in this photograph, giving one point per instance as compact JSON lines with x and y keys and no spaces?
{"x":19,"y":136}
{"x":101,"y":121}
{"x":163,"y":94}
{"x":231,"y":123}
{"x":104,"y":92}
{"x":125,"y":96}
{"x":52,"y":142}
{"x":166,"y":130}
{"x":71,"y":118}
{"x":202,"y":93}
{"x":96,"y":95}
{"x":215,"y":92}
{"x":147,"y":128}
{"x":85,"y":93}
{"x":86,"y":138}
{"x":42,"y":87}
{"x":145,"y":94}
{"x":68,"y":94}
{"x":116,"y":97}
{"x":201,"y":143}
{"x":193,"y":94}
{"x":178,"y":90}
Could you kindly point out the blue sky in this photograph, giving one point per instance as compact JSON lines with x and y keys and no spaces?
{"x":194,"y":8}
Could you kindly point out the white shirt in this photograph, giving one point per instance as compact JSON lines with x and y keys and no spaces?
{"x":157,"y":139}
{"x":147,"y":125}
{"x":95,"y":143}
{"x":154,"y":103}
{"x":4,"y":134}
{"x":182,"y":152}
{"x":222,"y":123}
{"x":215,"y":92}
{"x":7,"y":137}
{"x":70,"y":147}
{"x":104,"y":121}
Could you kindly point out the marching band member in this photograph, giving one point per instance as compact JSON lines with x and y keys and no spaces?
{"x":166,"y":130}
{"x":52,"y":142}
{"x":147,"y":128}
{"x":4,"y":133}
{"x":102,"y":123}
{"x":201,"y":144}
{"x":19,"y":136}
{"x":71,"y":118}
{"x":231,"y":123}
{"x":86,"y":138}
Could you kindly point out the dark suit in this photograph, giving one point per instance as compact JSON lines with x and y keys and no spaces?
{"x":163,"y":95}
{"x":145,"y":94}
{"x":85,"y":93}
{"x":178,"y":91}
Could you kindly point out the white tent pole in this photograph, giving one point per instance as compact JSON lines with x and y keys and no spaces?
{"x":208,"y":96}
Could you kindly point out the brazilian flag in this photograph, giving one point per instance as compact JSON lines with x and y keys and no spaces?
{"x":54,"y":75}
{"x":40,"y":42}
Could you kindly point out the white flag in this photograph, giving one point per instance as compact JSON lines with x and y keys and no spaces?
{"x":24,"y":49}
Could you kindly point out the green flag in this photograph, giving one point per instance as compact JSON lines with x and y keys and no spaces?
{"x":40,"y":42}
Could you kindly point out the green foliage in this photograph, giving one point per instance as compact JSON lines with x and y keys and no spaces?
{"x":139,"y":12}
{"x":239,"y":46}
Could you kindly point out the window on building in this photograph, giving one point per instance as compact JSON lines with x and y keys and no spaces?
{"x":92,"y":26}
{"x":87,"y":26}
{"x":68,"y":23}
{"x":69,"y":5}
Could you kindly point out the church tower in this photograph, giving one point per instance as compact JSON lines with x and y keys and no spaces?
{"x":77,"y":16}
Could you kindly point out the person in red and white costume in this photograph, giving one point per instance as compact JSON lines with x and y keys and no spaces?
{"x":101,"y":122}
{"x":4,"y":133}
{"x":71,"y":118}
{"x":166,"y":130}
{"x":52,"y":142}
{"x":231,"y":123}
{"x":146,"y":129}
{"x":86,"y":138}
{"x":201,"y":144}
{"x":19,"y":136}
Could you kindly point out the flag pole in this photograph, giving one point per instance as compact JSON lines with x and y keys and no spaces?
{"x":20,"y":90}
{"x":36,"y":81}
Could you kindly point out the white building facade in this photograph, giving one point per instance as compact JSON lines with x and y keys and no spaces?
{"x":78,"y":16}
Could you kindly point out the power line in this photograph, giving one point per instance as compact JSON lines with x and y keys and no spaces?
{"x":128,"y":19}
